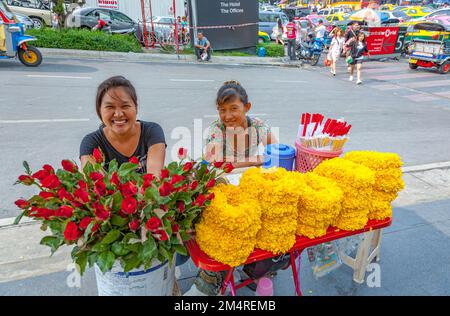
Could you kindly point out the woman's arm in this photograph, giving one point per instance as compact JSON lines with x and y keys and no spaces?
{"x":155,"y":158}
{"x":270,"y":139}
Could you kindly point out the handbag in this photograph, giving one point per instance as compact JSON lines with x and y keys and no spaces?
{"x":349,"y":59}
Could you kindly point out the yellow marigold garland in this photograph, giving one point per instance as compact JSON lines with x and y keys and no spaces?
{"x":356,"y":182}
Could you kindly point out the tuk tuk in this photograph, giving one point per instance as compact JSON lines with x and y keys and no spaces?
{"x":433,"y":52}
{"x":13,"y":41}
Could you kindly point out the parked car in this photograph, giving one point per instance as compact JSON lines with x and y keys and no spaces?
{"x":164,"y":27}
{"x":25,"y":20}
{"x":387,"y":7}
{"x":267,"y":20}
{"x":85,"y":18}
{"x":417,"y":12}
{"x":263,"y":37}
{"x":295,"y":12}
{"x":37,"y":11}
{"x":336,"y":17}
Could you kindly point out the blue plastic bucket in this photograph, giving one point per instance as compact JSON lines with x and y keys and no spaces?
{"x":279,"y":155}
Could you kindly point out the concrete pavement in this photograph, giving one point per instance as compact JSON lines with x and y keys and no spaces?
{"x":420,"y":232}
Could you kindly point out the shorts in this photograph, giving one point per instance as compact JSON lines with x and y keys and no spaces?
{"x":356,"y":61}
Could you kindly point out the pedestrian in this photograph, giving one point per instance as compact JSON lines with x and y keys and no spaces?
{"x":240,"y":140}
{"x":202,"y":46}
{"x":291,"y":34}
{"x":184,"y":29}
{"x":320,"y":30}
{"x":55,"y":21}
{"x":336,"y":46}
{"x":121,"y":135}
{"x":279,"y":32}
{"x":359,"y":47}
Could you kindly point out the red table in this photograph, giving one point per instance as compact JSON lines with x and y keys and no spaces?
{"x":203,"y":261}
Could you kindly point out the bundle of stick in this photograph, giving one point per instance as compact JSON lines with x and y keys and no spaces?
{"x":329,"y":136}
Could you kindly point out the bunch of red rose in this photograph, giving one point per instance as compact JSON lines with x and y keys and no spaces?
{"x":115,"y":213}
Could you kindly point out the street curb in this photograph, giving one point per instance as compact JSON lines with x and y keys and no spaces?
{"x":8,"y":222}
{"x":173,"y":58}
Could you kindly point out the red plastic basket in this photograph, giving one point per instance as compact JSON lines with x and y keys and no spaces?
{"x":307,"y":159}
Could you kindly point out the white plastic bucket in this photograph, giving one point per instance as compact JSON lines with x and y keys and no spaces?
{"x":156,"y":281}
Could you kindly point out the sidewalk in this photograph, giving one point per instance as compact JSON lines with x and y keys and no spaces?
{"x":167,"y":58}
{"x":24,"y":261}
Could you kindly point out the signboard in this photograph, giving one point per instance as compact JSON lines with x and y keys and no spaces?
{"x":385,"y":40}
{"x":228,"y":24}
{"x":108,"y":4}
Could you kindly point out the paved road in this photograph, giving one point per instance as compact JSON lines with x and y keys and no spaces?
{"x":415,"y":256}
{"x":33,"y":100}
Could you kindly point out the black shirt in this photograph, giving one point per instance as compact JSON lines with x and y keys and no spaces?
{"x":151,"y":134}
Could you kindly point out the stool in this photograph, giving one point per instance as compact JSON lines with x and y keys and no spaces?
{"x":368,"y":249}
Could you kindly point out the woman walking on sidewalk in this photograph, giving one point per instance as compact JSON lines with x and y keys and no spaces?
{"x":279,"y":32}
{"x":359,"y":47}
{"x":336,"y":47}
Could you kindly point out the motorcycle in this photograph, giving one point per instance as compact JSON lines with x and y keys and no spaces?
{"x":310,"y":50}
{"x":14,"y":42}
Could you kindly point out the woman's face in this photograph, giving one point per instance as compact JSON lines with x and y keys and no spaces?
{"x":361,"y":37}
{"x":233,"y":113}
{"x":118,"y":111}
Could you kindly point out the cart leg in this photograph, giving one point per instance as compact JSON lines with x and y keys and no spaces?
{"x":295,"y":272}
{"x":229,"y":280}
{"x":361,"y":258}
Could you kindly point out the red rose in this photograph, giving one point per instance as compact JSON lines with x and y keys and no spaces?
{"x":51,"y":182}
{"x":165,"y":189}
{"x":82,"y":195}
{"x":27,"y":180}
{"x":114,"y":179}
{"x":134,"y":160}
{"x":182,"y":153}
{"x":100,"y":188}
{"x":128,"y":189}
{"x":176,"y":178}
{"x":200,"y":200}
{"x":21,"y":204}
{"x":100,"y":212}
{"x":194,"y":185}
{"x":82,"y":185}
{"x":95,"y":176}
{"x":218,"y":164}
{"x":163,"y":207}
{"x":163,"y":235}
{"x":98,"y":156}
{"x":175,"y":228}
{"x":49,"y":169}
{"x":134,"y":224}
{"x":228,"y":168}
{"x":69,"y":166}
{"x":181,"y":206}
{"x":72,"y":232}
{"x":211,"y":183}
{"x":153,"y":223}
{"x":63,"y":194}
{"x":41,"y":175}
{"x":164,"y":174}
{"x":148,"y":177}
{"x":46,"y":195}
{"x":129,"y":205}
{"x":84,"y":223}
{"x":188,"y":166}
{"x":210,"y":197}
{"x":64,"y":211}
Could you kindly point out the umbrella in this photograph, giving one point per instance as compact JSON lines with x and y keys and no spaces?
{"x":370,"y":16}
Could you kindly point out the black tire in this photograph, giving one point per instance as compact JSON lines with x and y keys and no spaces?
{"x":35,"y":58}
{"x":315,"y":59}
{"x":413,"y":66}
{"x":38,"y":23}
{"x":444,"y":67}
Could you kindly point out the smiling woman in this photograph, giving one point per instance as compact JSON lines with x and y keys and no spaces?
{"x":121,"y":136}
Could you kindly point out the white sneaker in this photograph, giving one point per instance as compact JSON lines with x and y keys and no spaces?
{"x":358,"y":82}
{"x":350,"y":78}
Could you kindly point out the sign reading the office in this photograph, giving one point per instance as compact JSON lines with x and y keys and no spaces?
{"x":231,"y":7}
{"x":108,"y":4}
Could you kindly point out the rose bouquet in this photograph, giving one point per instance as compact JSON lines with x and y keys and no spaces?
{"x":113,"y":213}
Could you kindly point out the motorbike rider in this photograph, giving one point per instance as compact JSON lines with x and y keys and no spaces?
{"x":320,"y":30}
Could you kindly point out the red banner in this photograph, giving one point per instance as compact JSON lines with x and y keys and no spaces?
{"x":108,"y":4}
{"x":382,"y":40}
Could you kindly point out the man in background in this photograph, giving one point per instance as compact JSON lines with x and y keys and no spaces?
{"x":202,"y":45}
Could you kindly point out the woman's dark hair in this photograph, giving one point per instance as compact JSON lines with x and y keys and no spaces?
{"x":230,"y":91}
{"x":114,"y":82}
{"x":365,"y":37}
{"x":280,"y":24}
